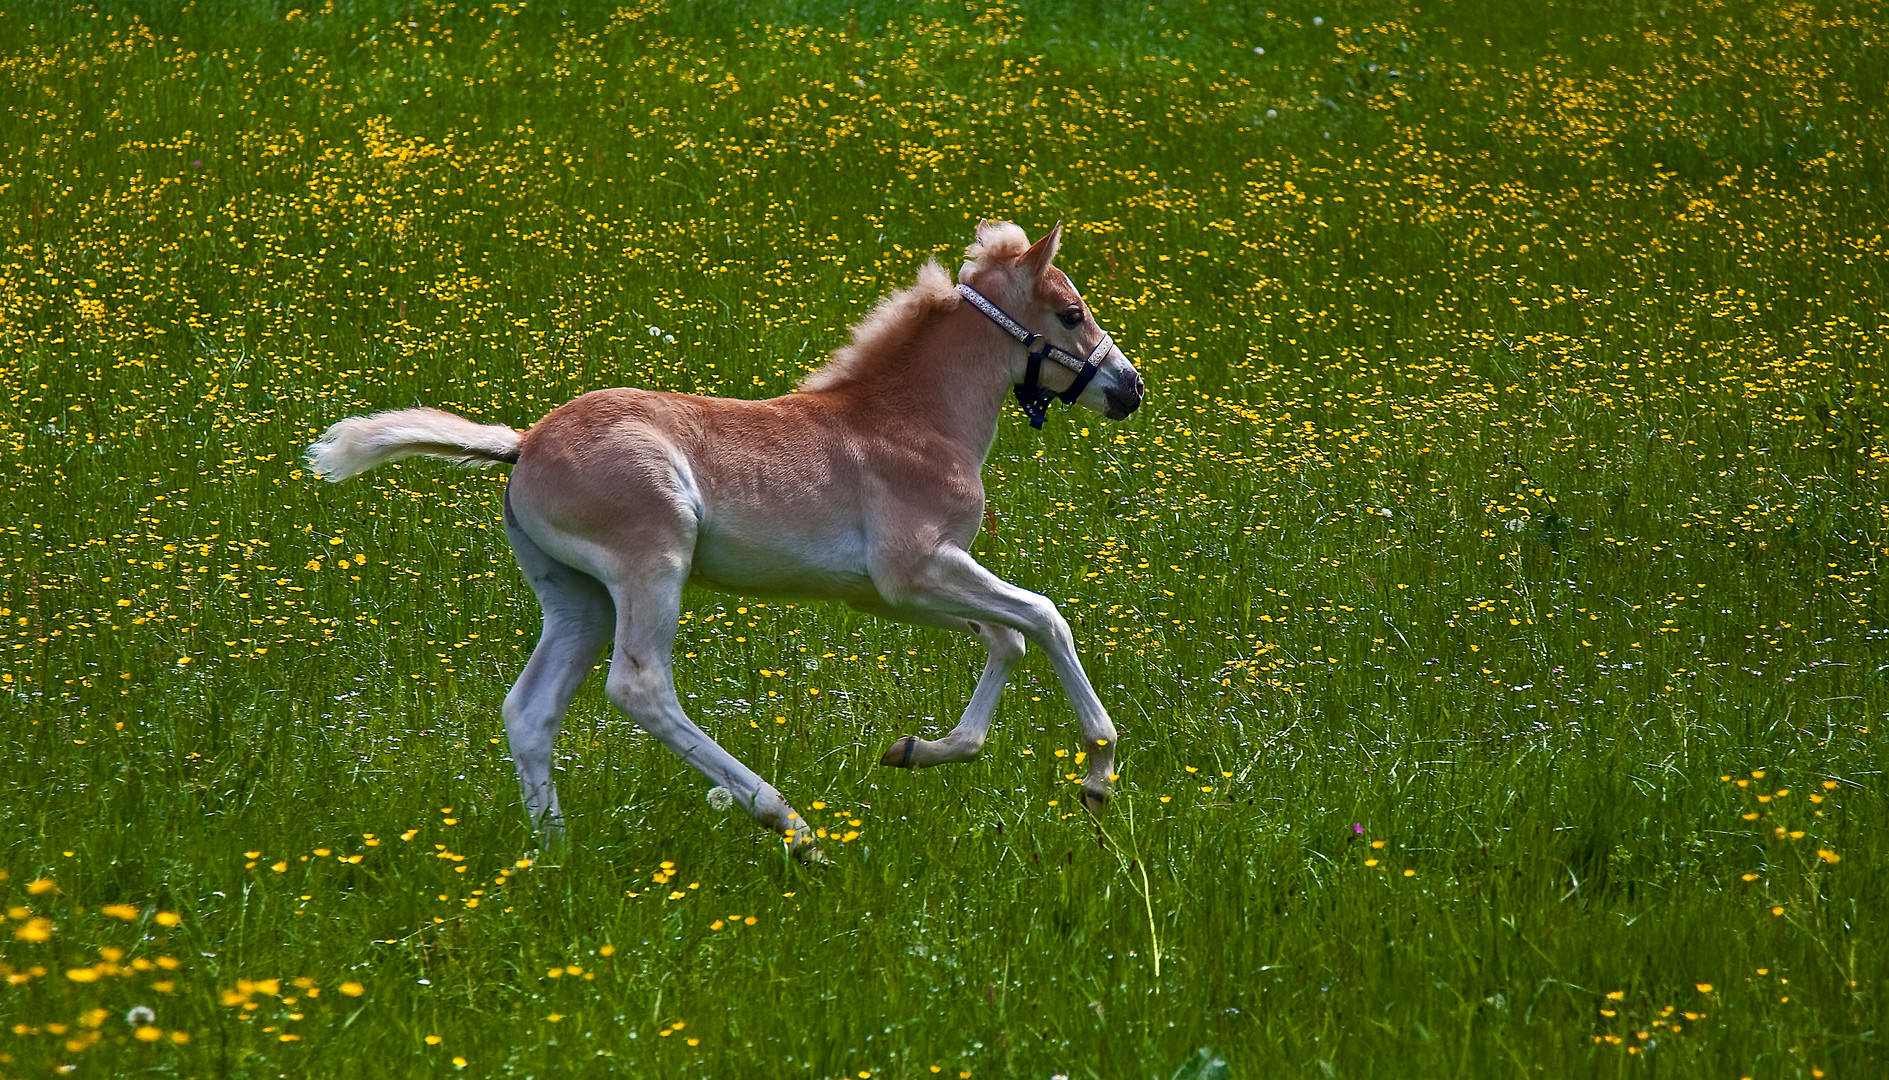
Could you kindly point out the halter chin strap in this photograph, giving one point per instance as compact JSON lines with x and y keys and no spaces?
{"x":1034,"y":397}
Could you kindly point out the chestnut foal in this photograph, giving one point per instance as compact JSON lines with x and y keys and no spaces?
{"x":864,"y":486}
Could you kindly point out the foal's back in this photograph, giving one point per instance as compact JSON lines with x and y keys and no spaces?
{"x":784,"y":495}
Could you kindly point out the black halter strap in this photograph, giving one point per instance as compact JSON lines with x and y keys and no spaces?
{"x":1031,"y":394}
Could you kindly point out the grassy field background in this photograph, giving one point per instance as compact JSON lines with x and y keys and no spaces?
{"x":1485,"y":593}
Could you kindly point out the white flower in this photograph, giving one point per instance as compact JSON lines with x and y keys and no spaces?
{"x":1259,"y":50}
{"x":1318,"y":20}
{"x":140,"y":1015}
{"x":720,"y":798}
{"x":1272,"y":114}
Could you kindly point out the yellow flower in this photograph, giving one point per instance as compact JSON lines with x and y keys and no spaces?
{"x":34,"y":930}
{"x":120,"y":911}
{"x":352,"y":989}
{"x":1704,"y":988}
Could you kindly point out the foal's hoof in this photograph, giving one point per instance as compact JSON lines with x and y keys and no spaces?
{"x":899,"y":755}
{"x":1095,"y":797}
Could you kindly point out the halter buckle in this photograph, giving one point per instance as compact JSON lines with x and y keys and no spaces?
{"x":1031,"y":395}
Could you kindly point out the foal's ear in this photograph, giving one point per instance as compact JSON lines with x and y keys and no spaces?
{"x":1043,"y":252}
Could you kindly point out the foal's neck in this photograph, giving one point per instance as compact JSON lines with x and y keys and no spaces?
{"x":948,"y":380}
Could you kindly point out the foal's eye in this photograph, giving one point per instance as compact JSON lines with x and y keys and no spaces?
{"x":1071,"y":318}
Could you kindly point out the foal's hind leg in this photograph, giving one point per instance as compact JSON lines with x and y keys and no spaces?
{"x":642,"y":684}
{"x":965,"y":741}
{"x":577,"y":622}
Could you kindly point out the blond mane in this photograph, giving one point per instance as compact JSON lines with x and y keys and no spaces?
{"x":995,"y":240}
{"x":880,"y":334}
{"x":887,"y":326}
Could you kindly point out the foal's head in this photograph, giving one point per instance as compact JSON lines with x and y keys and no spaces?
{"x":1020,"y":278}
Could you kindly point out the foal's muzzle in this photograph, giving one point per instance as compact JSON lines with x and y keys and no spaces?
{"x":1125,"y":399}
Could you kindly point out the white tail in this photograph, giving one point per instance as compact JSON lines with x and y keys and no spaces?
{"x":359,"y":443}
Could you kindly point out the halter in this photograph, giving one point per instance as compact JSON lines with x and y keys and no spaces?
{"x":1031,"y":395}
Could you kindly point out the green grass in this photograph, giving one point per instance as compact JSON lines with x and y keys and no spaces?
{"x":1509,"y":492}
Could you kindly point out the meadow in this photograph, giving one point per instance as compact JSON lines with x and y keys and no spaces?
{"x":1485,"y":592}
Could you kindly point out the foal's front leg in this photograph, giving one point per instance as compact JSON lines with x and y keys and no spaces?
{"x":952,"y":583}
{"x":965,"y":741}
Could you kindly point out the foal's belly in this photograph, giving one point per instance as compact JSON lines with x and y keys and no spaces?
{"x":782,"y":561}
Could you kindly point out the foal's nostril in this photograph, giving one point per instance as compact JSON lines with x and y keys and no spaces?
{"x":1124,"y":403}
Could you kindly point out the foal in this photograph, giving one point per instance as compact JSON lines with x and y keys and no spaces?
{"x":863,"y":487}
